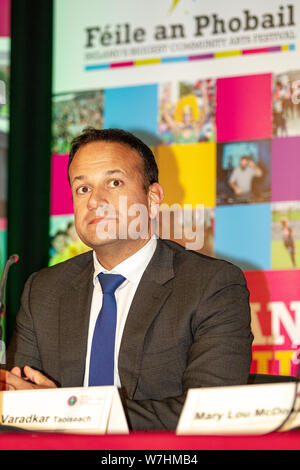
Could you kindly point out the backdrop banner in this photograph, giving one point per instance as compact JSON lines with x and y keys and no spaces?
{"x":214,"y":89}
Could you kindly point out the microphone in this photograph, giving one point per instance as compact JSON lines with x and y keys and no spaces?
{"x":11,"y":260}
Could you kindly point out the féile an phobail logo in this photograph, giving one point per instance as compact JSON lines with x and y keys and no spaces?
{"x":72,"y":400}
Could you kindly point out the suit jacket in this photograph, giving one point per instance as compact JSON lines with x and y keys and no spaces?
{"x":188,"y":327}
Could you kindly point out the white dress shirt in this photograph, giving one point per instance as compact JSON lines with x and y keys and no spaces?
{"x":132,"y":269}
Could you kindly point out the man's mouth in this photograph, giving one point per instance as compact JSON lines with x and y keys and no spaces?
{"x":97,"y":220}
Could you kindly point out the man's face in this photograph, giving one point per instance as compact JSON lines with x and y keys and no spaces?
{"x":243,"y":163}
{"x":100,"y":174}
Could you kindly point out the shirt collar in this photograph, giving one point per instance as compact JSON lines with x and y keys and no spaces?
{"x":131,"y":268}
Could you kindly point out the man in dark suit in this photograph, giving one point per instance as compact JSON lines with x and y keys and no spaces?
{"x":183,"y":319}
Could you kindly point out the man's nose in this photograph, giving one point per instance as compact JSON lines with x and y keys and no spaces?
{"x":97,"y":199}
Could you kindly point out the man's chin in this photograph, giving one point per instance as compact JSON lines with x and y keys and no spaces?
{"x":100,"y":242}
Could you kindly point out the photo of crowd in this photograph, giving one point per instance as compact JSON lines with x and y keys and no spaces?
{"x":64,"y":241}
{"x":243,"y":172}
{"x":187,"y":112}
{"x":286,"y":104}
{"x":73,"y":112}
{"x":286,"y":235}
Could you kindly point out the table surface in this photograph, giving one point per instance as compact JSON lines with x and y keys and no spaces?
{"x":289,"y":440}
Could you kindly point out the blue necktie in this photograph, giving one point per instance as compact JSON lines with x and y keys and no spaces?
{"x":103,"y":345}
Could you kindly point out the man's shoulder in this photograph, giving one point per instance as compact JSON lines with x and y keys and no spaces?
{"x":193,"y":260}
{"x":75,"y":262}
{"x":65,"y":271}
{"x":201,"y":272}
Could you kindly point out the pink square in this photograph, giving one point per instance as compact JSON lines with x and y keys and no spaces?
{"x":61,"y":195}
{"x":4,"y":18}
{"x":3,"y":224}
{"x":244,"y":108}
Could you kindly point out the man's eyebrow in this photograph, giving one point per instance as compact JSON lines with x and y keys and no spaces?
{"x":117,"y":170}
{"x":108,"y":173}
{"x":79,"y":178}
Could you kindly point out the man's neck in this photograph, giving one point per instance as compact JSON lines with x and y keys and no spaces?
{"x":110,"y":255}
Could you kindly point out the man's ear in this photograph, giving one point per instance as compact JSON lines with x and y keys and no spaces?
{"x":155,"y":197}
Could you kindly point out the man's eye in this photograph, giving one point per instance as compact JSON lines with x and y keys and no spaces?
{"x":115,"y":183}
{"x":82,"y":190}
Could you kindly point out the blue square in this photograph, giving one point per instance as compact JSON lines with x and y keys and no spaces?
{"x":134,"y":109}
{"x":243,"y":235}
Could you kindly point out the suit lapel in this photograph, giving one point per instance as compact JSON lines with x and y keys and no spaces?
{"x":74,"y":322}
{"x":147,"y":303}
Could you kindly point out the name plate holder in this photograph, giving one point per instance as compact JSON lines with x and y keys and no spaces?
{"x":91,"y":410}
{"x":245,"y":409}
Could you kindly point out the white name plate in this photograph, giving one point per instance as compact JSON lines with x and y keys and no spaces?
{"x":95,"y":410}
{"x":246,"y":409}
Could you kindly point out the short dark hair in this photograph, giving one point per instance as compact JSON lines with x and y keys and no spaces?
{"x":90,"y":134}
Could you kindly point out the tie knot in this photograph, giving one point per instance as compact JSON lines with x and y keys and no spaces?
{"x":110,"y":282}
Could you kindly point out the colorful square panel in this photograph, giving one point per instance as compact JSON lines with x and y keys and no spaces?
{"x":286,"y":235}
{"x":286,"y":110}
{"x":134,"y":109}
{"x":244,"y":172}
{"x":61,"y":195}
{"x":73,"y":112}
{"x":285,"y":169}
{"x":275,"y":314}
{"x":244,"y":108}
{"x":64,"y":241}
{"x":188,"y":173}
{"x":187,"y":111}
{"x":5,"y":18}
{"x":243,"y":235}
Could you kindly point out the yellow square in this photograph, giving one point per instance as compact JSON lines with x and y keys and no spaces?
{"x":187,"y":173}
